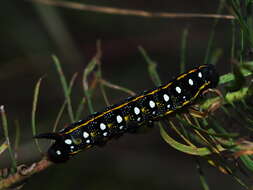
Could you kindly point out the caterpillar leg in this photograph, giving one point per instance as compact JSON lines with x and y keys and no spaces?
{"x":213,"y":90}
{"x":195,"y":112}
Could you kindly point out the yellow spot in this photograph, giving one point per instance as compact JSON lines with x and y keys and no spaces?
{"x":144,"y":110}
{"x":159,"y":104}
{"x":77,"y":141}
{"x":126,"y":118}
{"x":93,"y":134}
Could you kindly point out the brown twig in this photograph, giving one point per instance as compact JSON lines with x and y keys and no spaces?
{"x":24,"y":172}
{"x":132,"y":12}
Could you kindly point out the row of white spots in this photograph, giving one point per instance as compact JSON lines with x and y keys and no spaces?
{"x":190,"y":81}
{"x":137,"y":111}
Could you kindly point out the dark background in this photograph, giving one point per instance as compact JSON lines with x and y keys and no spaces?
{"x":30,"y":33}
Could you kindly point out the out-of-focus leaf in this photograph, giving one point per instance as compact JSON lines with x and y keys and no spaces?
{"x":183,"y":50}
{"x":212,"y":33}
{"x":216,"y":55}
{"x":230,"y":77}
{"x":239,"y":79}
{"x":3,"y":147}
{"x":6,"y":135}
{"x":202,"y":177}
{"x":64,"y":86}
{"x":87,"y":92}
{"x":17,"y":135}
{"x":230,"y":98}
{"x":203,"y":151}
{"x":34,"y":109}
{"x":247,"y":161}
{"x":151,"y":68}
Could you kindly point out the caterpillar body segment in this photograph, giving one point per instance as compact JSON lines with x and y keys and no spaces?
{"x":131,"y":114}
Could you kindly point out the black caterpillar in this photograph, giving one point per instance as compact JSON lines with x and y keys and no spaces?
{"x":131,"y":114}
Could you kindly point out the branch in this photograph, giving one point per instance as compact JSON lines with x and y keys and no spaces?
{"x":132,"y":12}
{"x":24,"y":172}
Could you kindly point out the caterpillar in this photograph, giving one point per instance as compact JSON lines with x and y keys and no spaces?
{"x":131,"y":114}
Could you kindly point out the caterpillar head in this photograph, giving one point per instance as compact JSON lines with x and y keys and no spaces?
{"x":209,"y":74}
{"x":59,"y":151}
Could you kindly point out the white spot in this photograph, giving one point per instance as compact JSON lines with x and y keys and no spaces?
{"x":72,"y":147}
{"x":184,"y":97}
{"x":138,"y":119}
{"x":137,"y":110}
{"x":166,"y":97}
{"x":151,"y":103}
{"x":200,"y":75}
{"x":68,"y":141}
{"x":119,"y":119}
{"x":102,"y":126}
{"x":88,"y":141}
{"x":121,"y":127}
{"x":190,"y":81}
{"x":58,"y":152}
{"x":105,"y":134}
{"x":85,"y":134}
{"x":168,"y":106}
{"x":178,"y":89}
{"x":154,"y":112}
